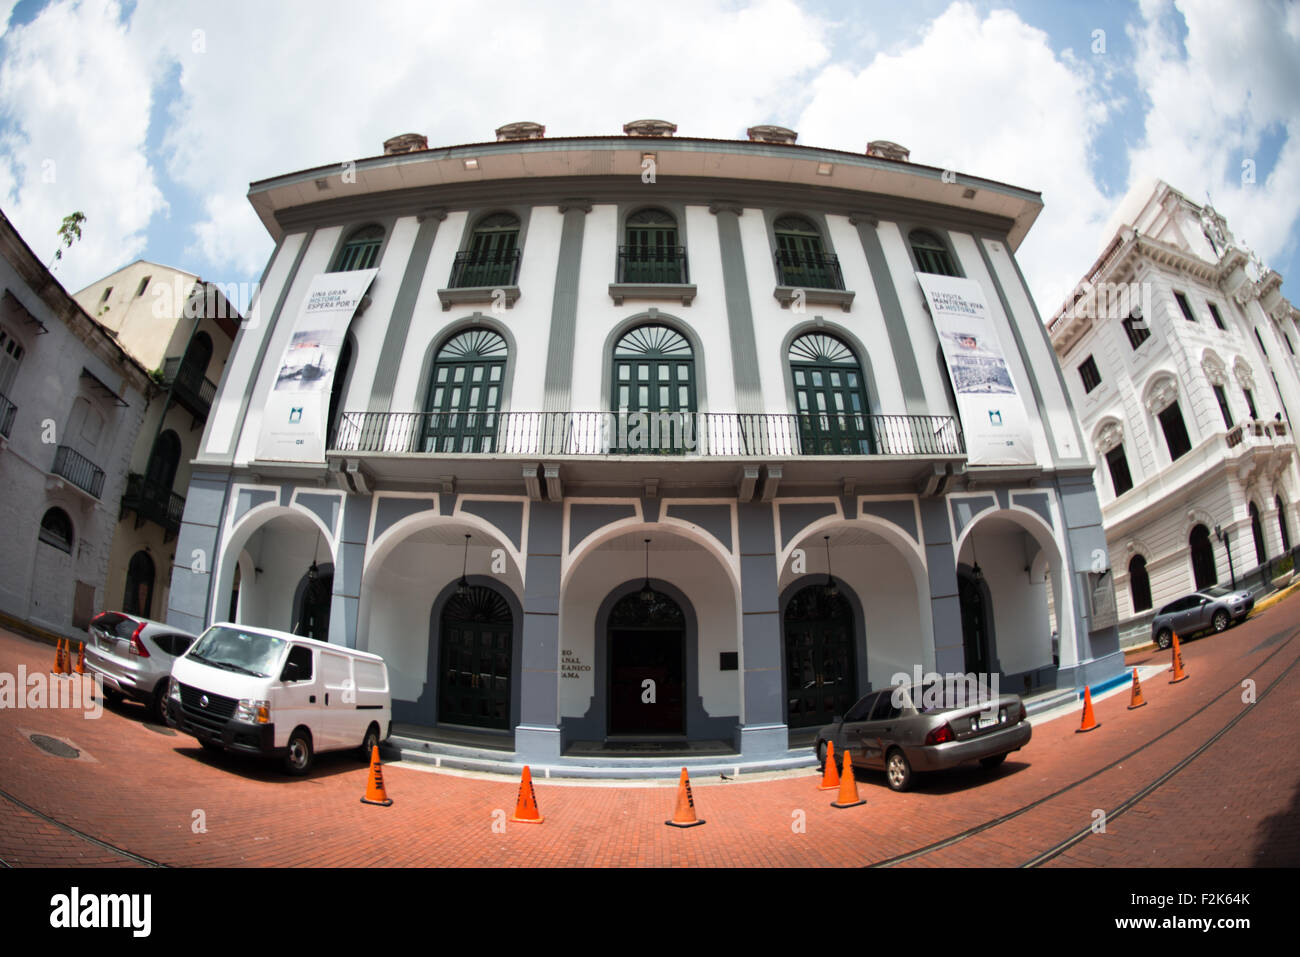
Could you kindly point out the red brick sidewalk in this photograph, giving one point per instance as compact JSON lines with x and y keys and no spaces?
{"x":143,"y":791}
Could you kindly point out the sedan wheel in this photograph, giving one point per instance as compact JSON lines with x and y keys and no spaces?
{"x":1220,"y":620}
{"x":898,"y":772}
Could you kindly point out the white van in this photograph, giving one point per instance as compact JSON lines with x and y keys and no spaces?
{"x":268,"y":692}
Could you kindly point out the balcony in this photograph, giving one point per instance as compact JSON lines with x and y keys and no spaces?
{"x":810,"y":277}
{"x":151,"y":502}
{"x":652,"y":272}
{"x":79,"y":470}
{"x":477,"y":277}
{"x":7,"y":411}
{"x":189,"y":388}
{"x":687,"y":434}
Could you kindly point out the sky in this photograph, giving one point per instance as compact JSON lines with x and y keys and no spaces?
{"x":152,"y":117}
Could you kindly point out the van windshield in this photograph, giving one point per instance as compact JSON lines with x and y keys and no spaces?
{"x":236,"y":650}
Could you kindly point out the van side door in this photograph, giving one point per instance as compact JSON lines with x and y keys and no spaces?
{"x":340,"y":716}
{"x":299,"y":698}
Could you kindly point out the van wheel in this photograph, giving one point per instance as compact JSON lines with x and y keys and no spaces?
{"x":298,"y":758}
{"x":370,"y":743}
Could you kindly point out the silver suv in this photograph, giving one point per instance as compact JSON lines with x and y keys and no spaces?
{"x":1215,"y":608}
{"x":134,"y":656}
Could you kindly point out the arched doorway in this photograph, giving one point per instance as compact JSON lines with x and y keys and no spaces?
{"x":314,"y":596}
{"x":1139,"y":583}
{"x":138,"y":599}
{"x":474,"y":672}
{"x":820,"y":670}
{"x":974,"y":623}
{"x":1203,"y":570}
{"x":1257,"y":532}
{"x":647,"y":643}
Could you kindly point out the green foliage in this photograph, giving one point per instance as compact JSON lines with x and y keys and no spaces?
{"x":70,"y":231}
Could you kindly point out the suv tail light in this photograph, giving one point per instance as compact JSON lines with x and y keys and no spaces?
{"x":940,"y":734}
{"x":137,"y":646}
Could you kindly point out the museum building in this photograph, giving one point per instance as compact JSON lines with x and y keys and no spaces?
{"x":648,"y":444}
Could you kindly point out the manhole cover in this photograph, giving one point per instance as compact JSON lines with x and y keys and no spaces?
{"x":159,"y":729}
{"x":54,"y":746}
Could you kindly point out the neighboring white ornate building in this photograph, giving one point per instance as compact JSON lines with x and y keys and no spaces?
{"x":542,"y":420}
{"x":1181,"y":357}
{"x":180,"y":329}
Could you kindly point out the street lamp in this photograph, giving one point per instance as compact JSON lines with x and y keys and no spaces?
{"x":1222,"y":536}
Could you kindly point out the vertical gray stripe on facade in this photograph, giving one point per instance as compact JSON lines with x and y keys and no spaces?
{"x":266,"y":344}
{"x":399,"y":323}
{"x":1024,"y":353}
{"x":1047,"y":340}
{"x":740,"y":315}
{"x":564,"y":312}
{"x":909,"y":373}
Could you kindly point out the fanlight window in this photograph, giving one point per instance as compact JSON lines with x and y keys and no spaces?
{"x":465,"y":393}
{"x":830,"y":397}
{"x":361,"y":250}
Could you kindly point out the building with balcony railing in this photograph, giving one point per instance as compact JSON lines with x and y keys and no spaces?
{"x":180,"y":327}
{"x":1181,"y":354}
{"x":72,"y":402}
{"x":559,"y":423}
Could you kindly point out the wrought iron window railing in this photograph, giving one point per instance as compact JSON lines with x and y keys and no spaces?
{"x":653,"y":264}
{"x":79,"y":470}
{"x":488,"y":267}
{"x":153,"y":502}
{"x":809,"y":270}
{"x":189,"y":386}
{"x":647,"y":433}
{"x":7,"y":411}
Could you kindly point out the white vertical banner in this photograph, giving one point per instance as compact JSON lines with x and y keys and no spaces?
{"x":293,"y":423}
{"x":993,"y":416}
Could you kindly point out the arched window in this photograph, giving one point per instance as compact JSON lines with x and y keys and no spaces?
{"x":931,"y":254}
{"x":1281,"y":523}
{"x":465,"y":393}
{"x":492,"y":258}
{"x":651,"y":253}
{"x":1203,"y":570}
{"x":830,"y":397}
{"x":1257,"y":531}
{"x":361,"y":250}
{"x":56,"y":530}
{"x":800,"y":259}
{"x":163,"y":462}
{"x":138,"y":598}
{"x":1139,"y":583}
{"x":654,"y":372}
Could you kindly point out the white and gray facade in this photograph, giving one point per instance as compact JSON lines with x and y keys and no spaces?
{"x":1181,"y":357}
{"x":71,"y":405}
{"x":480,"y":516}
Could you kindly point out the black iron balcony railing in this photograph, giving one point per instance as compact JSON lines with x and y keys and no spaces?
{"x":485,"y":268}
{"x":653,"y":264}
{"x":809,"y":270}
{"x":647,"y":433}
{"x":189,"y":387}
{"x":153,"y":502}
{"x":79,"y":470}
{"x":7,"y":410}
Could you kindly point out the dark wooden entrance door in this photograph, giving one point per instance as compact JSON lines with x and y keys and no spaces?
{"x":820,"y":672}
{"x":475,"y":660}
{"x":974,"y":624}
{"x":647,"y":642}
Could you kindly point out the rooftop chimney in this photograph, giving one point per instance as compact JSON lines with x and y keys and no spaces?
{"x":887,"y":150}
{"x":772,"y":134}
{"x":649,"y":128}
{"x":405,"y":143}
{"x":520,"y":131}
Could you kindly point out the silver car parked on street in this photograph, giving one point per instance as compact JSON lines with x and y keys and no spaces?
{"x":1213,"y":609}
{"x":910,"y":729}
{"x":134,"y":656}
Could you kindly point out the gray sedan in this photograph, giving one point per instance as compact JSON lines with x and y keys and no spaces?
{"x":904,"y":730}
{"x":1212,"y":609}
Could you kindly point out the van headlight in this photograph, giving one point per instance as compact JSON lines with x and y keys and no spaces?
{"x":175,"y":692}
{"x":253,"y":711}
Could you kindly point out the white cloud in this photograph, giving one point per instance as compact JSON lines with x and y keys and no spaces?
{"x":986,"y":96}
{"x":76,"y":96}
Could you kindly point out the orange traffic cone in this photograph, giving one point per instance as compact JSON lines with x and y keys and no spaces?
{"x":526,"y":807}
{"x":1136,"y":701}
{"x":1090,"y":722}
{"x":375,"y":793}
{"x":58,"y":658}
{"x":848,"y":787}
{"x":684,"y":816}
{"x":1179,"y":674}
{"x":831,"y":775}
{"x":81,"y":658}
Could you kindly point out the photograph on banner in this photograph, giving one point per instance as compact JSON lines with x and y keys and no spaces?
{"x":993,"y":417}
{"x":293,"y":424}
